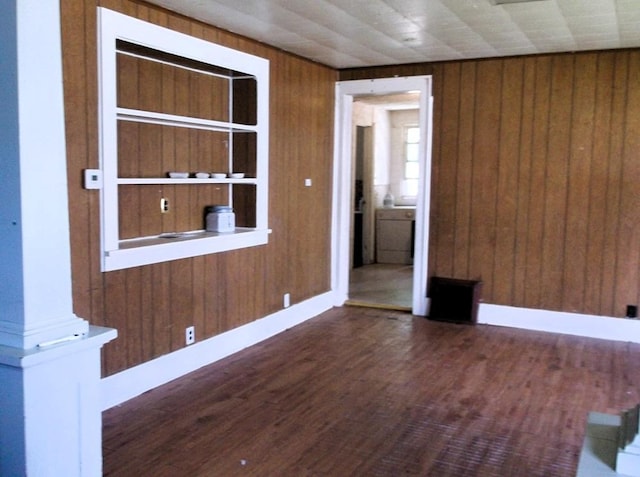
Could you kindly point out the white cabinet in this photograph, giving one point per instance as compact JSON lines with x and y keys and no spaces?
{"x":170,"y":102}
{"x":394,"y":235}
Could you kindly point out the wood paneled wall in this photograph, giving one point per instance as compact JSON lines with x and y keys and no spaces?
{"x":536,"y":169}
{"x":151,"y":306}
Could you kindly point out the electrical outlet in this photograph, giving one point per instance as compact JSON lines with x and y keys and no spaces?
{"x":286,"y":300}
{"x":164,"y":205}
{"x":190,"y":335}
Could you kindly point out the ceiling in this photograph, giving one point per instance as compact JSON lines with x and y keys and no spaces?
{"x":358,"y":33}
{"x":391,"y":102}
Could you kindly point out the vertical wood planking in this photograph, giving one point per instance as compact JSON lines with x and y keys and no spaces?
{"x":181,"y":195}
{"x":129,"y":204}
{"x":181,"y":305}
{"x":149,"y":95}
{"x":150,"y":218}
{"x":279,"y":217}
{"x":194,"y":198}
{"x":462,"y":239}
{"x":316,"y":164}
{"x":507,"y":181}
{"x":524,"y":191}
{"x":579,"y":201}
{"x":537,"y":181}
{"x":614,"y":178}
{"x":296,"y":266}
{"x":216,"y":293}
{"x":213,"y":297}
{"x":135,"y":318}
{"x":435,"y":169}
{"x":596,"y":268}
{"x":556,"y":182}
{"x":115,"y":316}
{"x":77,"y":76}
{"x":313,"y":163}
{"x":161,"y":283}
{"x":149,"y":158}
{"x":445,"y":161}
{"x":545,"y":213}
{"x":629,"y":232}
{"x":564,"y":235}
{"x":199,"y":293}
{"x":484,"y":172}
{"x":168,"y":160}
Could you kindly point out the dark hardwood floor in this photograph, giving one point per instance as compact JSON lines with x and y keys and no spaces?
{"x":367,"y":392}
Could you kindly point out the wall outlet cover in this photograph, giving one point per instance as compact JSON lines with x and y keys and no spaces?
{"x":190,"y":335}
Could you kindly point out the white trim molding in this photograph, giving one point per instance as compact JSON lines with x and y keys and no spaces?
{"x":134,"y":381}
{"x":577,"y":324}
{"x":342,"y":206}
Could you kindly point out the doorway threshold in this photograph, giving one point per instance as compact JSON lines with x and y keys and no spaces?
{"x":380,"y":306}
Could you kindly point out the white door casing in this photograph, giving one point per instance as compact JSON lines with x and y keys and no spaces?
{"x":343,"y":182}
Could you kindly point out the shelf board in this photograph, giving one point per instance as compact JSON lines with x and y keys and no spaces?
{"x":164,"y":119}
{"x":148,"y":250}
{"x":178,"y":237}
{"x":193,"y":181}
{"x":142,"y":39}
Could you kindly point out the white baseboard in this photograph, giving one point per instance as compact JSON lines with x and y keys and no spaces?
{"x":592,"y":326}
{"x":132,"y":382}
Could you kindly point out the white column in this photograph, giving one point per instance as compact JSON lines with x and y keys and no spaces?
{"x":49,"y":408}
{"x":35,"y":298}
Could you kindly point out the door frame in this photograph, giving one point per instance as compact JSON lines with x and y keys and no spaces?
{"x":368,"y":214}
{"x":342,"y":206}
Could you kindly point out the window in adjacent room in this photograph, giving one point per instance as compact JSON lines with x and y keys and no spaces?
{"x":411,"y":164}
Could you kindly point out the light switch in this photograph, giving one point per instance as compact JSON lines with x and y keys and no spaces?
{"x":92,"y":179}
{"x":307,"y":182}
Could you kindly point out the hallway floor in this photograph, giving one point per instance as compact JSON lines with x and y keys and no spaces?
{"x":385,"y":285}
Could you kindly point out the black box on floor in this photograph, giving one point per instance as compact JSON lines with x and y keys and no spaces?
{"x":454,"y":300}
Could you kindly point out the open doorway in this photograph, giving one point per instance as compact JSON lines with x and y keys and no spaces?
{"x":386,"y":141}
{"x":344,"y":203}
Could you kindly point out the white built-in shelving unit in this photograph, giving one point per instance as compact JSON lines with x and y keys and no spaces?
{"x":154,"y":119}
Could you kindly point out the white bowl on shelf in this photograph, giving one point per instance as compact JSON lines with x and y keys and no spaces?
{"x":236,"y":175}
{"x":218,"y":175}
{"x":179,"y":175}
{"x":202,"y":175}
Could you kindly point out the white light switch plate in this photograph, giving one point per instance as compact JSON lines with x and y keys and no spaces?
{"x":92,"y":179}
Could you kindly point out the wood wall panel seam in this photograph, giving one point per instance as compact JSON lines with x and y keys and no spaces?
{"x":576,"y":211}
{"x":155,"y":324}
{"x":533,"y":275}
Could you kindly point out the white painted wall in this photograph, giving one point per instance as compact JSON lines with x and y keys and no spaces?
{"x":381,"y":156}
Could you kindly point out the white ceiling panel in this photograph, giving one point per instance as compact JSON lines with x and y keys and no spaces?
{"x":356,"y":33}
